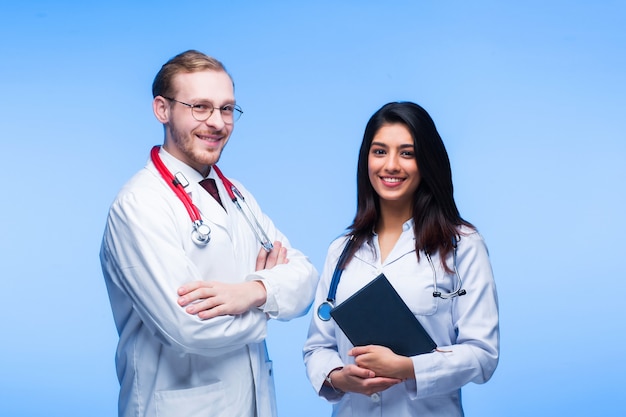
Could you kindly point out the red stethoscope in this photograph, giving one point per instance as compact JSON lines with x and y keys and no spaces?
{"x":201,"y":233}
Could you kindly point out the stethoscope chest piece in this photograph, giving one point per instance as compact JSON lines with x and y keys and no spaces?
{"x":201,"y":233}
{"x":324,"y":309}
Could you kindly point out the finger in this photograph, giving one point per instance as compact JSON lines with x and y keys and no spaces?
{"x":273,"y":255}
{"x":282,"y":256}
{"x":209,"y":314}
{"x":219,"y":310}
{"x":204,"y":305}
{"x":359,"y":350}
{"x":190,"y":286}
{"x":387,"y":381}
{"x":215,"y":311}
{"x":378,"y":384}
{"x":198,"y":294}
{"x":368,"y":361}
{"x":261,"y":259}
{"x":356,"y":371}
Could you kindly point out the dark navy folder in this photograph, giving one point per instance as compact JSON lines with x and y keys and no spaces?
{"x":377,"y":315}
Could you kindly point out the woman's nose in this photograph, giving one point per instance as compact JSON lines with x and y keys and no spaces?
{"x":391,"y":164}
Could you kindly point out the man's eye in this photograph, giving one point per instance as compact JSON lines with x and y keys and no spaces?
{"x":229,"y":108}
{"x":202,"y":107}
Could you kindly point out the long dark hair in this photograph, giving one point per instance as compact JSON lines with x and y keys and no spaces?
{"x":435,"y":214}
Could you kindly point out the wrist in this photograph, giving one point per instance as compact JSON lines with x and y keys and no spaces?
{"x":261,"y":293}
{"x":328,"y":381}
{"x":406,"y":370}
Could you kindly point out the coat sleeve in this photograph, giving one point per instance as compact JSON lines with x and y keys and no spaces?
{"x":320,"y":350}
{"x":473,"y":356}
{"x":144,"y":263}
{"x":291,"y":286}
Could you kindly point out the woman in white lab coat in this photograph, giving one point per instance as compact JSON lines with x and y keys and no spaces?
{"x":408,"y":227}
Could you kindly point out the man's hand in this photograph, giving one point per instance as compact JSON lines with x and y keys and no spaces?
{"x":210,"y":299}
{"x":267,"y":260}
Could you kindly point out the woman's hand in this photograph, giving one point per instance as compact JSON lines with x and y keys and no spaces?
{"x":383,"y":362}
{"x":352,"y":378}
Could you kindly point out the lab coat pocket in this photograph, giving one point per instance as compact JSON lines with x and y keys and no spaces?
{"x":268,"y":392}
{"x":192,"y":402}
{"x":417,"y":292}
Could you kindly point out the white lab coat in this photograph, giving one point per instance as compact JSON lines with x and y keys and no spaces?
{"x":171,"y":363}
{"x":464,"y":328}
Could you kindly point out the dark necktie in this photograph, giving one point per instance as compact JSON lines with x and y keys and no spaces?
{"x":209,"y":185}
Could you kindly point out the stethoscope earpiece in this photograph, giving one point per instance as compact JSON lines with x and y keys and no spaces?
{"x":325,"y":308}
{"x":458,"y":290}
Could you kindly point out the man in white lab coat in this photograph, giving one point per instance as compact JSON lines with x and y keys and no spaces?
{"x":191,"y":315}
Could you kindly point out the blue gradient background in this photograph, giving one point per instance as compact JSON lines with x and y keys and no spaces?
{"x":530,"y":98}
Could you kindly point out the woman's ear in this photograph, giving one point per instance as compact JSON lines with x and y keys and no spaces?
{"x":161,"y":109}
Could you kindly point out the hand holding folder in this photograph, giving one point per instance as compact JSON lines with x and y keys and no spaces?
{"x":377,"y":315}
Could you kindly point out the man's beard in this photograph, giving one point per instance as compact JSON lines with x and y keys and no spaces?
{"x":185,"y":142}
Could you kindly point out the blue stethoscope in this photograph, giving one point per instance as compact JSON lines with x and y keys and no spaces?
{"x":201,"y":233}
{"x":324,"y":309}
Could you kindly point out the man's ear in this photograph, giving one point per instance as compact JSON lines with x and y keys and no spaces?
{"x":161,"y":109}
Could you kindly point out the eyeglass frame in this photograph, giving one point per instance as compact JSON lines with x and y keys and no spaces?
{"x":237,"y":111}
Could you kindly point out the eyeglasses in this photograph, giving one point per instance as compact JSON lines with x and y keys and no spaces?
{"x":202,"y":111}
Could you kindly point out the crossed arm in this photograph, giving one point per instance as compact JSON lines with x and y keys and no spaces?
{"x":208,"y":299}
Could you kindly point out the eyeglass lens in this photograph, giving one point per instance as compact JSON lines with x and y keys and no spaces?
{"x":230,"y":113}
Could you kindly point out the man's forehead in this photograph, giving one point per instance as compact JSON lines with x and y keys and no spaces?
{"x":203,"y":83}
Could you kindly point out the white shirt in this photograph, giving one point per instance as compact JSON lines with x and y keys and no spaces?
{"x":464,"y":328}
{"x":171,"y":363}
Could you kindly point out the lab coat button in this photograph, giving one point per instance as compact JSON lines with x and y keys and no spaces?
{"x":375,"y":397}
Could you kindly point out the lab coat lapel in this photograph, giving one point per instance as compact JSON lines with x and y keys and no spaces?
{"x":371,"y":256}
{"x":404,"y":246}
{"x":210,"y":209}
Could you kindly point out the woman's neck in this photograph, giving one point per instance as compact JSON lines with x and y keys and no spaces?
{"x":389,"y":227}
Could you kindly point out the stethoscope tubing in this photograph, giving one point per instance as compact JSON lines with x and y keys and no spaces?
{"x":324,"y":309}
{"x":175,"y":185}
{"x":201,"y":232}
{"x":235,"y":195}
{"x":334,"y":283}
{"x":458,"y":288}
